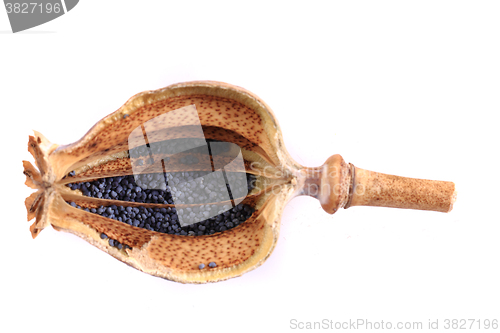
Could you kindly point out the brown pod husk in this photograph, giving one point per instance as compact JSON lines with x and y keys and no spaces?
{"x":226,"y":113}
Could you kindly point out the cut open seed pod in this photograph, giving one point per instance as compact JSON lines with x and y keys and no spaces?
{"x":189,"y":183}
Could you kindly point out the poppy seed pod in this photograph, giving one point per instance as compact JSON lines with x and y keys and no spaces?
{"x":189,"y":183}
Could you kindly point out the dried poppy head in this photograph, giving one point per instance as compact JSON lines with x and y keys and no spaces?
{"x":189,"y":183}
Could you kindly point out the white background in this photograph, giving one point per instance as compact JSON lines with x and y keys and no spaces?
{"x":408,"y":88}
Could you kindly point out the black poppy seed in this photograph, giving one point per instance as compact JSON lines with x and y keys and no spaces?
{"x":126,"y":188}
{"x":125,"y":116}
{"x":103,"y":236}
{"x":201,"y":266}
{"x":212,"y":264}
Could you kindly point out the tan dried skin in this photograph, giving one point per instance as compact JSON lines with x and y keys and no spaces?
{"x":226,"y":113}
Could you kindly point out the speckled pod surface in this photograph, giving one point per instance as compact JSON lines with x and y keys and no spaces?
{"x":227,"y":113}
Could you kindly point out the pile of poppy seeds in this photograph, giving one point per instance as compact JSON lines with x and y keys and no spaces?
{"x":193,"y":187}
{"x":212,"y":218}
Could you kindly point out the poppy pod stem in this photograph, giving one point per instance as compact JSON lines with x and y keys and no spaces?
{"x":337,"y":185}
